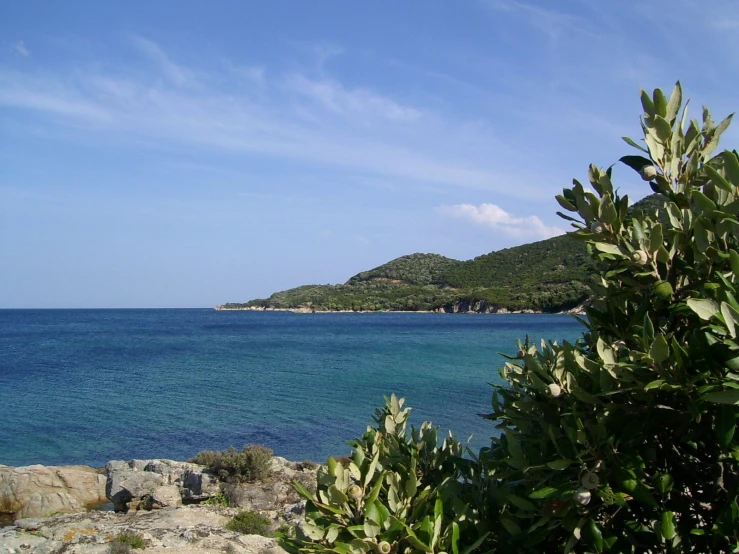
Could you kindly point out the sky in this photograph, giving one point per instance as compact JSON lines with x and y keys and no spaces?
{"x":188,"y":154}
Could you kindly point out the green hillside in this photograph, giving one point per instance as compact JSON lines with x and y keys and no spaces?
{"x":548,"y":276}
{"x":414,"y":269}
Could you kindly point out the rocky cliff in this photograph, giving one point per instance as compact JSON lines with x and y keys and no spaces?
{"x":173,"y":506}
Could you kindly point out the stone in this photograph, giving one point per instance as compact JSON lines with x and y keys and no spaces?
{"x":32,"y":491}
{"x":167,"y":496}
{"x":131,"y":484}
{"x":194,"y":529}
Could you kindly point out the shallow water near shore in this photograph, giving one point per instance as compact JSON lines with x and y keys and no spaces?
{"x":89,"y":386}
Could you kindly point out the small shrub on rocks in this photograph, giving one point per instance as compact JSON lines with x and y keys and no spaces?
{"x":119,"y":548}
{"x":250,"y":523}
{"x":125,"y":541}
{"x":249,"y":464}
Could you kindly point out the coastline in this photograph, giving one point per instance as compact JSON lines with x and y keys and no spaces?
{"x":578,"y":310}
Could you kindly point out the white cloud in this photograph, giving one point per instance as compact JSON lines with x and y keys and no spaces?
{"x":174,"y":72}
{"x":495,"y":217}
{"x":360,"y":102}
{"x":290,"y":117}
{"x":21,"y":49}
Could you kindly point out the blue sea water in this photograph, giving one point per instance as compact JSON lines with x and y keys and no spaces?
{"x":88,"y":386}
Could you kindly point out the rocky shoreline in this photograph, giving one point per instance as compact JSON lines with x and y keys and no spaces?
{"x":479,"y":307}
{"x":173,"y":506}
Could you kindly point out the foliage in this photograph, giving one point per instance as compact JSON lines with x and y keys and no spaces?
{"x":548,"y":276}
{"x":625,"y":441}
{"x":400,"y":493}
{"x":118,"y":548}
{"x":219,"y":499}
{"x":126,"y":540}
{"x":250,"y":464}
{"x":249,"y":522}
{"x":415,"y":269}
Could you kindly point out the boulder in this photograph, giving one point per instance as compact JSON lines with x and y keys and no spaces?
{"x":185,"y":530}
{"x":33,"y":491}
{"x":132,"y":484}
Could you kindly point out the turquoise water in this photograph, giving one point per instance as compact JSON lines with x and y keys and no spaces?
{"x":88,"y":386}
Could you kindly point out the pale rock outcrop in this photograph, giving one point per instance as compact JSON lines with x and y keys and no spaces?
{"x":132,"y":484}
{"x":32,"y":491}
{"x":185,"y":530}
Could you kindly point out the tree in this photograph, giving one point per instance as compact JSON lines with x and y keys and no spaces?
{"x":625,"y":441}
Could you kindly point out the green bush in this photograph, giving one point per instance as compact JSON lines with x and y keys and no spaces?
{"x":400,"y":492}
{"x":250,"y":464}
{"x":126,"y":540}
{"x":118,"y":548}
{"x":250,"y":523}
{"x":625,"y":441}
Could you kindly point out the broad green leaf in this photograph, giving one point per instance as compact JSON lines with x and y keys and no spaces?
{"x":630,"y":142}
{"x":546,"y":492}
{"x":455,"y":537}
{"x":704,"y":204}
{"x":662,"y":129}
{"x":659,"y":351}
{"x":559,"y":465}
{"x":676,"y":100}
{"x":337,"y":496}
{"x":731,"y":318}
{"x":660,"y":102}
{"x":332,"y":534}
{"x":371,"y":528}
{"x":593,"y":533}
{"x":510,"y":526}
{"x":635,"y":162}
{"x":608,"y":248}
{"x":701,"y":237}
{"x":725,"y":425}
{"x":723,"y":397}
{"x":734,"y":259}
{"x":566,"y":204}
{"x":667,"y":525}
{"x":646,"y":103}
{"x":521,"y":503}
{"x":731,"y":166}
{"x":607,"y":211}
{"x":664,"y":483}
{"x":703,"y":307}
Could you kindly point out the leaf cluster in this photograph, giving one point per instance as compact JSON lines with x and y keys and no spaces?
{"x":625,"y":441}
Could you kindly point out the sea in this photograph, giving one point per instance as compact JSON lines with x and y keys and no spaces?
{"x":89,"y":386}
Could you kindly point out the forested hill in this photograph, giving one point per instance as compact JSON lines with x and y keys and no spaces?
{"x":545,"y":276}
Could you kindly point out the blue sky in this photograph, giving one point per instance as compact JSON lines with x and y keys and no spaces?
{"x":157,"y":154}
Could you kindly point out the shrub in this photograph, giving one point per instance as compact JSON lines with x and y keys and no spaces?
{"x":219,"y":499}
{"x":126,"y":540}
{"x":250,"y":464}
{"x":119,"y":548}
{"x":625,"y":441}
{"x":250,"y":523}
{"x":400,"y":491}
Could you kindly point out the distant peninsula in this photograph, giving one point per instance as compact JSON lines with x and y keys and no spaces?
{"x":548,"y":276}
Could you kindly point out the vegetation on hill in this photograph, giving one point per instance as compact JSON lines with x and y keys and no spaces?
{"x":551,"y":275}
{"x":624,"y":442}
{"x":415,"y":269}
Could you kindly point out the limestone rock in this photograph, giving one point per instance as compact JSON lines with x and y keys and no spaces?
{"x":37,"y":490}
{"x":131,"y":484}
{"x":185,"y":530}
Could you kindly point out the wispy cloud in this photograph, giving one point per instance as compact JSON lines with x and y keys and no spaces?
{"x":174,"y":72}
{"x":495,"y":217}
{"x":21,"y":49}
{"x":553,"y":23}
{"x":296,"y":117}
{"x":360,"y":102}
